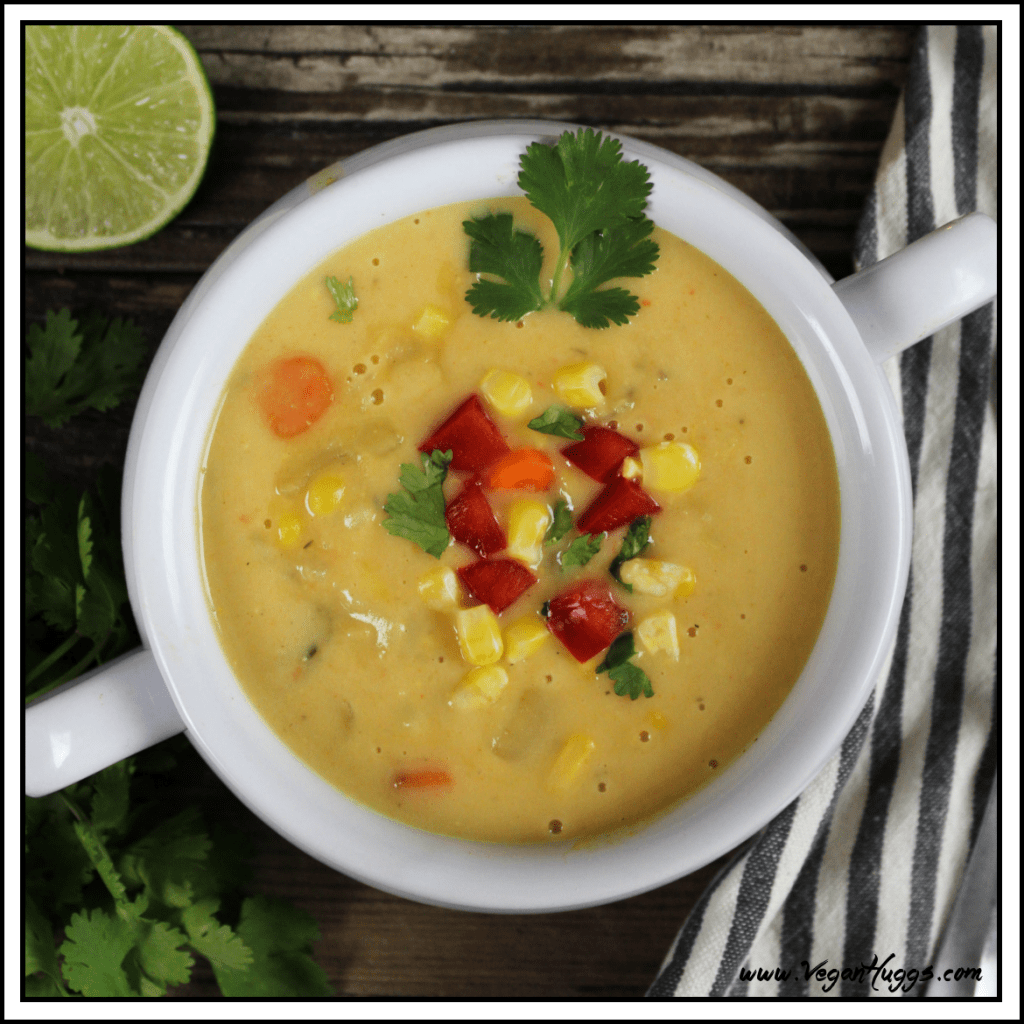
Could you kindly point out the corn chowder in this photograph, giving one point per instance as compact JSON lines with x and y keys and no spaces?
{"x":516,"y":581}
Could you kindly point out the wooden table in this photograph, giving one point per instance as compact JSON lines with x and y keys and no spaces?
{"x":793,"y":115}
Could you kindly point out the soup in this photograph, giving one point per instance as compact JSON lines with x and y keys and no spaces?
{"x":559,"y":686}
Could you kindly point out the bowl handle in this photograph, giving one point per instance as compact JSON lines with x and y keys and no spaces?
{"x":97,"y":720}
{"x":908,"y":296}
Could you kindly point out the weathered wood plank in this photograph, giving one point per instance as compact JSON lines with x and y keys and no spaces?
{"x":327,"y":58}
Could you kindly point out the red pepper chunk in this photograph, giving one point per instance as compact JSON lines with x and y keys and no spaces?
{"x":586,"y":618}
{"x":471,"y":521}
{"x":619,"y":503}
{"x":600,"y":453}
{"x":473,"y":439}
{"x":498,"y":582}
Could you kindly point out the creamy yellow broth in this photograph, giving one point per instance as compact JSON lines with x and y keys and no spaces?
{"x":329,"y":638}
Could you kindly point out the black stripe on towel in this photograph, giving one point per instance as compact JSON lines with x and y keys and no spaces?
{"x":968,"y":59}
{"x":752,"y":899}
{"x":797,"y":939}
{"x":917,"y":120}
{"x":955,"y":634}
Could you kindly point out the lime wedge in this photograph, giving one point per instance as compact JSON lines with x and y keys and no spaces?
{"x":118,"y":125}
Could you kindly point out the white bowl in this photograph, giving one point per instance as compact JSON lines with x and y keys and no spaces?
{"x":162,"y":549}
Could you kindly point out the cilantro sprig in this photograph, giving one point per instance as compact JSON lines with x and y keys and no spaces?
{"x":74,"y":365}
{"x":344,"y":296}
{"x":596,"y":201}
{"x":417,"y":513}
{"x":559,"y":422}
{"x":638,"y":536}
{"x":581,"y":550}
{"x":561,"y":522}
{"x":629,"y":679}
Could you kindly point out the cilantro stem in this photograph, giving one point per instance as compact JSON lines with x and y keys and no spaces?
{"x":71,"y":672}
{"x":556,"y":281}
{"x":53,"y":656}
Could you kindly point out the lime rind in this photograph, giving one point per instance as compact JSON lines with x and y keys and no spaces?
{"x":111,"y":155}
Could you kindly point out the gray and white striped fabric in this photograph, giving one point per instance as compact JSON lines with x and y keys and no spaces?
{"x":868,"y":861}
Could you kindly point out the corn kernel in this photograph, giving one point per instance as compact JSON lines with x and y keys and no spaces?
{"x":658,"y":720}
{"x":509,"y":393}
{"x":632,"y":469}
{"x":658,"y":633}
{"x":433,"y":321}
{"x":324,"y":494}
{"x":670,"y":466}
{"x":571,"y":760}
{"x":528,"y":521}
{"x":480,"y":687}
{"x":650,"y":576}
{"x":289,"y":529}
{"x":439,"y":589}
{"x":524,"y":637}
{"x":687,"y":583}
{"x":579,"y":385}
{"x":479,"y":635}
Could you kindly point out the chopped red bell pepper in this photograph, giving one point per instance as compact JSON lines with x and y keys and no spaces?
{"x":471,"y":521}
{"x":497,"y":581}
{"x":586,"y":618}
{"x":601,"y":452}
{"x":471,"y":436}
{"x":619,"y":503}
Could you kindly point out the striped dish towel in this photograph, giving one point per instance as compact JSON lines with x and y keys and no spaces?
{"x":868,"y":861}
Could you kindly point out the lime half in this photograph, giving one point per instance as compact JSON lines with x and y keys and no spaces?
{"x":118,"y":125}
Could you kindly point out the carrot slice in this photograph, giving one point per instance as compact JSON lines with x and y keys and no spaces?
{"x":293,"y":394}
{"x":424,"y":778}
{"x":526,"y":469}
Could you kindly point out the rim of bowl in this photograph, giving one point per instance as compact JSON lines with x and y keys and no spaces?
{"x":166,"y":448}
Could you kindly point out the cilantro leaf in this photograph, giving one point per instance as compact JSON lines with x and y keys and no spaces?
{"x":583,"y":185}
{"x":623,"y":251}
{"x":561,"y":522}
{"x":628,"y":678}
{"x":638,"y":536}
{"x":280,"y":937}
{"x":559,"y":422}
{"x":161,"y":957}
{"x":94,"y":949}
{"x":619,"y":653}
{"x":72,"y":367}
{"x":40,"y":952}
{"x":344,"y":296}
{"x":217,"y":942}
{"x":497,"y":248}
{"x":417,"y":513}
{"x":581,"y":550}
{"x":631,"y":680}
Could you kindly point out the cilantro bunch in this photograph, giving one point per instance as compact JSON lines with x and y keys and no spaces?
{"x":596,"y":201}
{"x":123,"y":889}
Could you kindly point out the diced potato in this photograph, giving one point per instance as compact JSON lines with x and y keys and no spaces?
{"x":670,"y":466}
{"x":651,"y":576}
{"x":289,"y":529}
{"x":571,"y":760}
{"x":507,"y":392}
{"x":439,"y":589}
{"x":687,"y":583}
{"x":657,"y":633}
{"x":632,"y":469}
{"x":324,"y":494}
{"x":479,"y":635}
{"x":524,"y":727}
{"x":528,"y":521}
{"x":480,"y":687}
{"x":432,"y":322}
{"x":579,"y":385}
{"x":524,"y":637}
